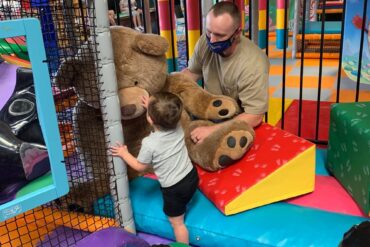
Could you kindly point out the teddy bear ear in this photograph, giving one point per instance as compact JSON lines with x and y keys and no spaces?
{"x":65,"y":75}
{"x":84,"y":84}
{"x":151,"y":44}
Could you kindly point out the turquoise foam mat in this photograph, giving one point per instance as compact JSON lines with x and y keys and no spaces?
{"x":331,"y":27}
{"x":278,"y":224}
{"x":320,"y":162}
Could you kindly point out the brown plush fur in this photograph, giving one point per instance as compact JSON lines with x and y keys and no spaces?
{"x":197,"y":101}
{"x":141,"y":69}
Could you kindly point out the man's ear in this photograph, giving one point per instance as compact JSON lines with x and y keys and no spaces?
{"x":237,"y":34}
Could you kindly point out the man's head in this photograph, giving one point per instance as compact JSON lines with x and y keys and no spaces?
{"x":223,"y":27}
{"x":164,"y":110}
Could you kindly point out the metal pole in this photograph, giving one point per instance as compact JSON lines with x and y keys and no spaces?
{"x":111,"y":114}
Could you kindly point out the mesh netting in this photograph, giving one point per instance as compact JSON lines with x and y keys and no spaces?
{"x":69,"y":33}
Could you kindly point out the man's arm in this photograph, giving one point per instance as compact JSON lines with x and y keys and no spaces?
{"x":252,"y":119}
{"x":194,"y":69}
{"x":200,"y":133}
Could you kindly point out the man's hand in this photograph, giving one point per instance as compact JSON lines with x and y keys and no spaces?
{"x":200,"y":133}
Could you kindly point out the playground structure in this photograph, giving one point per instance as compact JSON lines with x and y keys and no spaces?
{"x":310,"y":41}
{"x":65,"y":217}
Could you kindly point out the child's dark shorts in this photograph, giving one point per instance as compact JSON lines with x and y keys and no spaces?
{"x":177,"y":196}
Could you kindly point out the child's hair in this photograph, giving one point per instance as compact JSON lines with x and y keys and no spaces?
{"x":165,"y":110}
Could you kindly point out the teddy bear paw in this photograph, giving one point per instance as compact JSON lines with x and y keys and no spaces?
{"x":232,"y":147}
{"x":221,"y":108}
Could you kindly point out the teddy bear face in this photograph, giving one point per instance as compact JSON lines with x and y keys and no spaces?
{"x":141,"y":67}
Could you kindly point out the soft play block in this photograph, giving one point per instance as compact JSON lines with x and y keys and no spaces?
{"x":274,"y":112}
{"x":349,"y":149}
{"x":308,"y":119}
{"x":327,"y":190}
{"x":278,"y":224}
{"x":278,"y":166}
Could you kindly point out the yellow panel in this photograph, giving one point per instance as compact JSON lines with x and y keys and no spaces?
{"x":280,"y":19}
{"x":193,"y":38}
{"x":167,"y":35}
{"x":295,"y":178}
{"x":274,"y":113}
{"x":243,"y":20}
{"x":262,"y":20}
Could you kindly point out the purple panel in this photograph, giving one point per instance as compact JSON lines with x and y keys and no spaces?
{"x":63,"y":236}
{"x":8,"y":193}
{"x":152,"y":239}
{"x":113,"y":237}
{"x":7,"y":82}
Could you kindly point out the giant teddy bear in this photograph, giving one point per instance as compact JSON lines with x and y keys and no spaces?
{"x":141,"y":69}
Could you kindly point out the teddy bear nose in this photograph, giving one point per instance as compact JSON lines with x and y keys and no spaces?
{"x":128,"y":110}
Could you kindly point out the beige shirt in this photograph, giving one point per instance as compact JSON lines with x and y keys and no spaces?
{"x":242,"y":76}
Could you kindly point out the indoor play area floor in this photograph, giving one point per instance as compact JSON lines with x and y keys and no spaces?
{"x":329,"y":77}
{"x":310,"y":78}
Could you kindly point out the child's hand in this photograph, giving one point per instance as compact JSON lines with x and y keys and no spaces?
{"x":145,"y":101}
{"x":119,"y":150}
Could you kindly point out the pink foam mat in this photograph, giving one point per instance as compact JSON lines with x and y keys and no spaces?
{"x":329,"y":195}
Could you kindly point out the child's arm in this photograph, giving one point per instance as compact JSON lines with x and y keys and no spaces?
{"x":121,"y":151}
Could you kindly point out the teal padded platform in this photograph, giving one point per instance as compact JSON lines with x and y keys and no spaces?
{"x":314,"y":27}
{"x":278,"y":224}
{"x":321,"y":155}
{"x":349,"y":149}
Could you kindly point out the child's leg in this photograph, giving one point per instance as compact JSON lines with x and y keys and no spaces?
{"x":138,"y":20}
{"x":179,"y":229}
{"x":139,"y":14}
{"x":134,"y":20}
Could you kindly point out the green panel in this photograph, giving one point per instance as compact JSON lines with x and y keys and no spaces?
{"x":349,"y":149}
{"x":36,"y":184}
{"x":8,"y":48}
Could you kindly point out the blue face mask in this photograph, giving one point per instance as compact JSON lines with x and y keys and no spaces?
{"x":220,"y":46}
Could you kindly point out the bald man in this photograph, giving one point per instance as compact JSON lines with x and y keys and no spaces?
{"x":230,"y":65}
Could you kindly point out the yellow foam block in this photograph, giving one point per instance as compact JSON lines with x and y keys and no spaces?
{"x":278,"y":166}
{"x":274,"y":112}
{"x":294,"y":178}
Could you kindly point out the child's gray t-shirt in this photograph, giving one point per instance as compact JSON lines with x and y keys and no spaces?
{"x":166,"y":151}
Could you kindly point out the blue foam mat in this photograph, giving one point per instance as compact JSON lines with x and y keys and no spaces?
{"x":278,"y":224}
{"x":320,"y":162}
